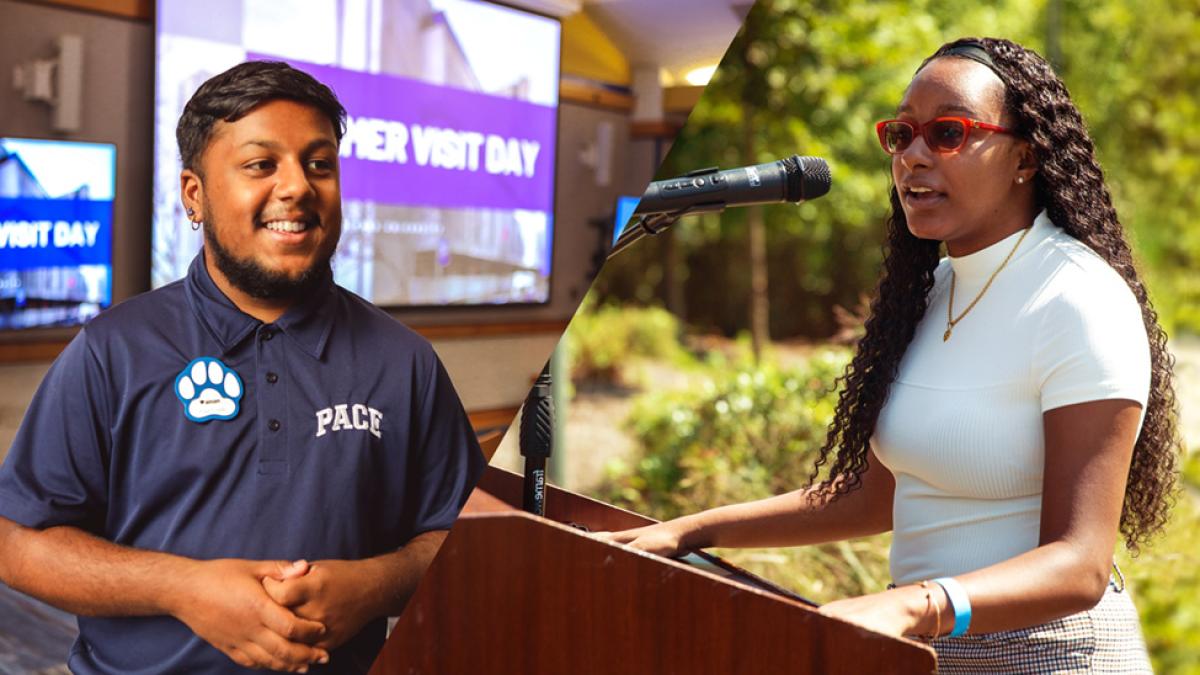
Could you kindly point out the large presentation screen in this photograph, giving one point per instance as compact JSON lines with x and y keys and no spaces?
{"x":447,"y":166}
{"x":56,"y":217}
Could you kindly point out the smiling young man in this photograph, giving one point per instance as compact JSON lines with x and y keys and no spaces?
{"x":192,"y":441}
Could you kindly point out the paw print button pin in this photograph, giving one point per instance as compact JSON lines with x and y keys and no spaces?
{"x":208,"y":390}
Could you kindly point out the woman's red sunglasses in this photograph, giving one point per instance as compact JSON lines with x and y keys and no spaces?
{"x":942,"y":134}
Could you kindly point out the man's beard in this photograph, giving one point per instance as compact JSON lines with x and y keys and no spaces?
{"x":254,"y":280}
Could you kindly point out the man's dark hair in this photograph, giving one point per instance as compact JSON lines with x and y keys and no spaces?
{"x":232,"y":94}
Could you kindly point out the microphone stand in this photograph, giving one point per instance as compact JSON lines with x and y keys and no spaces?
{"x":536,"y":441}
{"x":655,"y":223}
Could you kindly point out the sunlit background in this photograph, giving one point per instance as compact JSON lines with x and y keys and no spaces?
{"x":703,"y":361}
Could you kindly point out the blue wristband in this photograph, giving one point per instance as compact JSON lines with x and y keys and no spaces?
{"x":959,"y":601}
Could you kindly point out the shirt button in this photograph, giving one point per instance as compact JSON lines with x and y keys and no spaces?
{"x":273,"y":425}
{"x":272,"y":378}
{"x":267,"y":334}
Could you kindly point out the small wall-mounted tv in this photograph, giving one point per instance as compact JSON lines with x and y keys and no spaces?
{"x":447,"y":167}
{"x":56,"y":215}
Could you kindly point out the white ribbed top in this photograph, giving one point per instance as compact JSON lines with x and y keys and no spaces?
{"x":962,"y":427}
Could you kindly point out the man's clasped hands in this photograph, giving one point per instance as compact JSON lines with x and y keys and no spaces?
{"x":275,"y":614}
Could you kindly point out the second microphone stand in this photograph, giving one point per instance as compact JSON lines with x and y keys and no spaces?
{"x":654,"y":223}
{"x":536,"y":441}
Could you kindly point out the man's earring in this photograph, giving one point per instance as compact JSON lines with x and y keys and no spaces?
{"x":195,"y":222}
{"x":1020,"y":179}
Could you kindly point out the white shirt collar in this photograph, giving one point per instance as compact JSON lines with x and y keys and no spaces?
{"x":983,"y":262}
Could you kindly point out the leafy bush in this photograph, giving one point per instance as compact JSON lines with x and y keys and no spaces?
{"x":746,"y":433}
{"x":602,"y":340}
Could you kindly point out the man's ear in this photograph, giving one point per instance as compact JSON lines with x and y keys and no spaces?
{"x":191,"y":189}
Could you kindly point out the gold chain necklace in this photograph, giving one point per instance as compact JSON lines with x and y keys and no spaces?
{"x":951,"y":322}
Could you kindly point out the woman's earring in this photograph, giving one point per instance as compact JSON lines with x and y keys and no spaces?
{"x":1020,"y":179}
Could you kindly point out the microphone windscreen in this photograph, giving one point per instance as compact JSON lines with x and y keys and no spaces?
{"x":817,"y":178}
{"x":807,"y":177}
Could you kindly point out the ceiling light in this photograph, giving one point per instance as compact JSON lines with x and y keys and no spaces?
{"x":700,"y":76}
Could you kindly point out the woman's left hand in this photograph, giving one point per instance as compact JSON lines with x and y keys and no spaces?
{"x":895,"y":612}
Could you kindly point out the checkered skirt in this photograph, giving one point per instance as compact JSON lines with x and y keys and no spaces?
{"x":1104,"y":639}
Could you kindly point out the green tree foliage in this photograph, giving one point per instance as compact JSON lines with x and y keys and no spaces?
{"x":1134,"y":70}
{"x":819,"y":74}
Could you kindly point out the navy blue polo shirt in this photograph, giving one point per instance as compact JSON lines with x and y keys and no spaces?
{"x":177,"y":423}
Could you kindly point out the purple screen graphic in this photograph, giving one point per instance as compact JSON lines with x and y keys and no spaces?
{"x":447,"y":166}
{"x":413,"y":143}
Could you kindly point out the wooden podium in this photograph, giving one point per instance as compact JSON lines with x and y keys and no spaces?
{"x":512,"y":593}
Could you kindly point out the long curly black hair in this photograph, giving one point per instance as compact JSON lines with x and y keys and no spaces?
{"x":1070,"y":186}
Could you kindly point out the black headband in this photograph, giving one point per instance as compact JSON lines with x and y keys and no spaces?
{"x":975,"y":52}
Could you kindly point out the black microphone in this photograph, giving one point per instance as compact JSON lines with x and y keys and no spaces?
{"x":793,"y":179}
